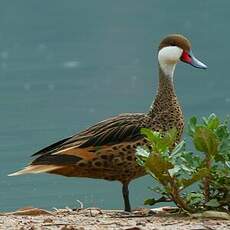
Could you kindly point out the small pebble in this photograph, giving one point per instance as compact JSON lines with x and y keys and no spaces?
{"x":141,"y":223}
{"x":198,"y":227}
{"x":47,"y":220}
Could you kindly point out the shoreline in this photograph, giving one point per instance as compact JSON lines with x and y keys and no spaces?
{"x":94,"y":218}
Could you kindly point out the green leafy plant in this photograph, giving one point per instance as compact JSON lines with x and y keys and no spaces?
{"x":193,"y":181}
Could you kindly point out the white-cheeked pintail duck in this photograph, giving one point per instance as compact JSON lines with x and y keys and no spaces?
{"x":106,"y":150}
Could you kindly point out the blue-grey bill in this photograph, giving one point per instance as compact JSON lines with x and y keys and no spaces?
{"x":196,"y":63}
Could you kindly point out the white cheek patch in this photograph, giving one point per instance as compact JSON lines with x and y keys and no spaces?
{"x":168,"y":58}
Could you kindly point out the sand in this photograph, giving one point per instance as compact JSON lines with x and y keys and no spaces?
{"x":93,"y":218}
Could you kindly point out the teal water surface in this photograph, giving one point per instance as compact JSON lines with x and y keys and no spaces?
{"x":65,"y":65}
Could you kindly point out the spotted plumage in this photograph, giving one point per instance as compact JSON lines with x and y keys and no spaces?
{"x":107,"y":149}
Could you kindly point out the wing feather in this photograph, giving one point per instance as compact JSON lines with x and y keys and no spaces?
{"x":125,"y":127}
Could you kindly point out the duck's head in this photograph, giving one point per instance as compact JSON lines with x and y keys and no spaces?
{"x":175,"y":48}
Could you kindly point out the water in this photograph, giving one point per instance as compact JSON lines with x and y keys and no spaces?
{"x":65,"y":65}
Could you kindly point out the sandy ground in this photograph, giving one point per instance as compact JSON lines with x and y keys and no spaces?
{"x":93,"y":218}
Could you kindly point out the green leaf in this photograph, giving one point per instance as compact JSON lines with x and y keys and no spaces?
{"x":170,"y":137}
{"x":222,"y":132}
{"x":140,"y":161}
{"x":179,"y":148}
{"x":160,"y":142}
{"x":150,"y":201}
{"x":155,"y":201}
{"x":228,"y":164}
{"x":150,"y":134}
{"x":156,"y":163}
{"x":159,"y":189}
{"x":213,"y":121}
{"x":213,"y":203}
{"x":192,"y":125}
{"x":141,"y":155}
{"x":195,"y":177}
{"x":194,"y":198}
{"x":224,"y":148}
{"x":205,"y":141}
{"x":140,"y":151}
{"x":191,"y":160}
{"x":159,"y":167}
{"x":174,"y":171}
{"x":205,"y":120}
{"x":155,"y":139}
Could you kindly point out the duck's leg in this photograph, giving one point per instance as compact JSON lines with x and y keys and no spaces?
{"x":125,"y":192}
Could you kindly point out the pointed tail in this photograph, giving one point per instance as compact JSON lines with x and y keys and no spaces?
{"x":34,"y":169}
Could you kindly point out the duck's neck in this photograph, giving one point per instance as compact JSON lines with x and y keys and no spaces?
{"x":166,"y":98}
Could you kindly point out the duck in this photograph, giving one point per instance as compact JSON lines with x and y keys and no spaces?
{"x":107,"y":149}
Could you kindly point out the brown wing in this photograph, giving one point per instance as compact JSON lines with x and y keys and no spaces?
{"x":123,"y":128}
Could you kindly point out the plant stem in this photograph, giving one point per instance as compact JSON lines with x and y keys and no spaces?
{"x":178,"y":200}
{"x":175,"y":193}
{"x":206,"y":180}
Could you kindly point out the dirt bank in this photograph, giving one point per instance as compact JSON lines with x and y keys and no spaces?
{"x":93,"y":218}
